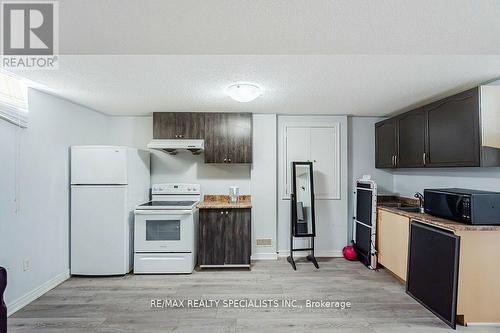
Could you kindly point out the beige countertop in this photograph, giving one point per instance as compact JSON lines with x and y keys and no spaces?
{"x":217,"y":201}
{"x":439,"y":222}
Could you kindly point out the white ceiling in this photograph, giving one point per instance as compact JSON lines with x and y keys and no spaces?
{"x":318,"y":57}
{"x":280,"y":27}
{"x":356,"y":85}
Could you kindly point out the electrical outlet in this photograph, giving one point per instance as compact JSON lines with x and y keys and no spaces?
{"x":26,"y":265}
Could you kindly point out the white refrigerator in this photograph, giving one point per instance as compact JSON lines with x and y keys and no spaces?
{"x":107,"y":182}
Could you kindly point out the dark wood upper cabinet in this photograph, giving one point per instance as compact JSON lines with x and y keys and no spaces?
{"x":446,"y":133}
{"x":453,"y":130}
{"x":164,"y":125}
{"x":190,"y":125}
{"x":228,"y":138}
{"x":411,"y":139}
{"x":178,"y":125}
{"x":240,"y":137}
{"x":216,"y":138}
{"x":224,"y":237}
{"x":385,"y":143}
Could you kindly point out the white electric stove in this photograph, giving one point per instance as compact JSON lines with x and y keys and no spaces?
{"x":166,"y":230}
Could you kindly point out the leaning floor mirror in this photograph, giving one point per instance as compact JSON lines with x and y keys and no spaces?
{"x":302,"y":209}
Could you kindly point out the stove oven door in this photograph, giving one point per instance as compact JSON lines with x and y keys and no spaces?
{"x":164,"y":231}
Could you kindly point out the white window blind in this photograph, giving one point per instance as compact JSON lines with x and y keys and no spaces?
{"x":13,"y":100}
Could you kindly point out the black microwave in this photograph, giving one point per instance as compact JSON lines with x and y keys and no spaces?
{"x":462,"y":205}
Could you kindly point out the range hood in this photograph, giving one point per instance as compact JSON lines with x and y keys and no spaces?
{"x":172,"y":147}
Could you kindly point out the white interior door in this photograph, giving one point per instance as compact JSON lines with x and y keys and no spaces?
{"x":323,"y":141}
{"x":95,"y":165}
{"x":297,"y":150}
{"x":99,"y":230}
{"x":325,"y":154}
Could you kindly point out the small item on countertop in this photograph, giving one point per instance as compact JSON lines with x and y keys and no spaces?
{"x":234,"y":192}
{"x":349,"y":253}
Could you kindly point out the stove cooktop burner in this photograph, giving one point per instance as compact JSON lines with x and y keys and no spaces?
{"x":168,"y":205}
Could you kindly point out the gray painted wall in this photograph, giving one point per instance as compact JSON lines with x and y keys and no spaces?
{"x":407,"y":182}
{"x":361,"y":156}
{"x":34,"y":183}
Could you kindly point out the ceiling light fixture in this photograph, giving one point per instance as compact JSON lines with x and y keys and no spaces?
{"x":244,"y":92}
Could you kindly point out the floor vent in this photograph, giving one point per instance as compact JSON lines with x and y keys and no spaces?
{"x":264,"y":241}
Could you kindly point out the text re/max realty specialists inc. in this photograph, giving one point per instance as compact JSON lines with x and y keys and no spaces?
{"x":248,"y":303}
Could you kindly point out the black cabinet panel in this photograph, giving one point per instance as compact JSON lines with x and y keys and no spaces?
{"x":385,"y":144}
{"x":411,"y":139}
{"x":3,"y":307}
{"x":453,"y":130}
{"x":211,"y":237}
{"x":432,"y":277}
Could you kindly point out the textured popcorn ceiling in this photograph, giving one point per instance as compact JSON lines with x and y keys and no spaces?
{"x":280,"y":26}
{"x":312,"y":57}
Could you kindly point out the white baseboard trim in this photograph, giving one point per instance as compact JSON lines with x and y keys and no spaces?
{"x":264,"y":256}
{"x":479,"y":324}
{"x":317,"y":253}
{"x":26,"y":299}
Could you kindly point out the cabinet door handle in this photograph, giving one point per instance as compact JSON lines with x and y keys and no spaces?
{"x":423,"y":158}
{"x":392,"y":160}
{"x":229,"y":160}
{"x":225,"y":160}
{"x":227,"y":212}
{"x":177,"y":135}
{"x":221,"y":213}
{"x":395,"y":160}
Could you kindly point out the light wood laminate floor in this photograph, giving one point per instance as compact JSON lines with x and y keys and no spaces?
{"x":123,"y":304}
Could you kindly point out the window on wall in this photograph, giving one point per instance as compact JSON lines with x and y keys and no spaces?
{"x":13,"y":99}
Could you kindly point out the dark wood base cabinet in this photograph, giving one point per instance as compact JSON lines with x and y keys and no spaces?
{"x":224,"y":238}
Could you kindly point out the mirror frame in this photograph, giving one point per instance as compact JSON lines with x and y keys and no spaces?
{"x":294,"y":200}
